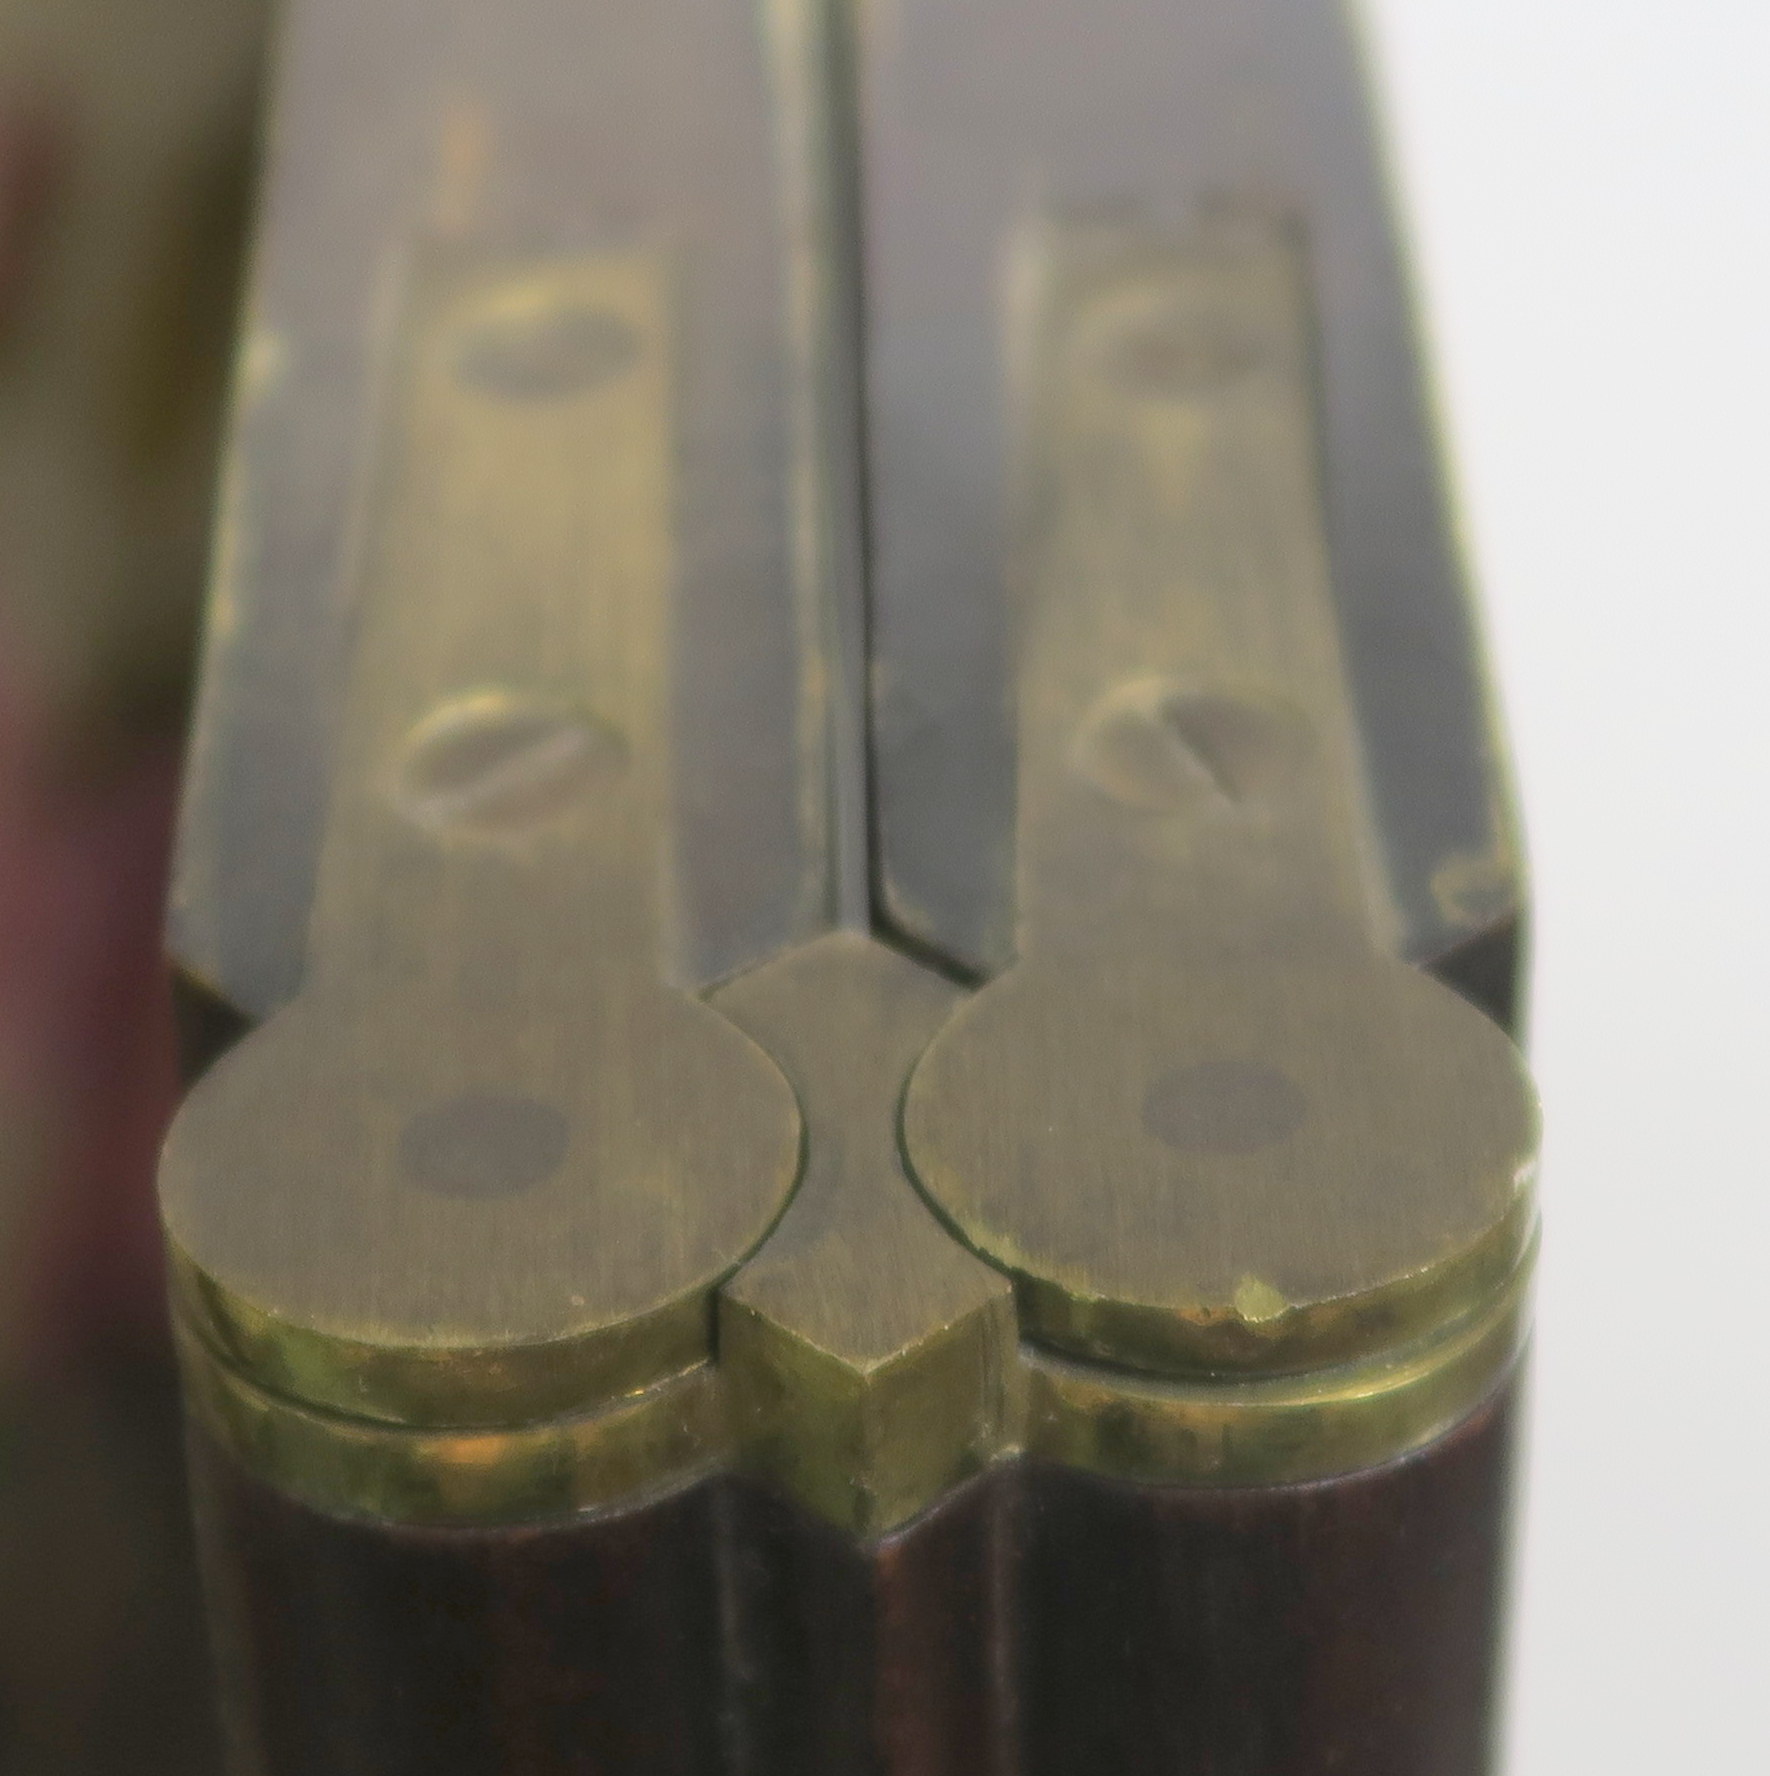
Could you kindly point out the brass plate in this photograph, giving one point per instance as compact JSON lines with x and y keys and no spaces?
{"x":871,"y":1360}
{"x":1208,"y":1188}
{"x":489,"y":1166}
{"x":1208,"y":1121}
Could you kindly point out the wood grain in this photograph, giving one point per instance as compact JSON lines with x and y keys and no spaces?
{"x":1037,"y":1623}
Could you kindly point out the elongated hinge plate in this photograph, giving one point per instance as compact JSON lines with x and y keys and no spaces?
{"x":1209,"y":1121}
{"x":488,"y":1166}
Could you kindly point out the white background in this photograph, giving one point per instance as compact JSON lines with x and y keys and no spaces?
{"x":1588,"y":189}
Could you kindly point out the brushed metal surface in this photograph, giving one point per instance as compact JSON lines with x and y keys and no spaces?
{"x":983,"y":121}
{"x":1117,"y":1161}
{"x":489,"y":1164}
{"x":1208,"y":1120}
{"x":532,"y":127}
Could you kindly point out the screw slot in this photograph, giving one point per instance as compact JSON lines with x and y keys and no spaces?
{"x":501,"y":766}
{"x":1154,"y":745}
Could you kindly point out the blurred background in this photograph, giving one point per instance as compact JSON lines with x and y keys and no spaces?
{"x":1587,"y":190}
{"x":1587,"y":185}
{"x":126,"y":139}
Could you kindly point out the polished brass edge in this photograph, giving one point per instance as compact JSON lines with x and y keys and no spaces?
{"x":442,"y":1387}
{"x":1283,"y":1339}
{"x":1240,"y":1432}
{"x":1230,"y":1432}
{"x":628,"y":1451}
{"x":868,"y":1452}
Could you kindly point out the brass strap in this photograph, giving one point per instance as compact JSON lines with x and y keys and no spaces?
{"x":1208,"y":1121}
{"x":489,"y":1166}
{"x":1207,"y":1188}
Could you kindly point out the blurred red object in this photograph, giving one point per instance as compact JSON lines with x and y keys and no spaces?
{"x":31,"y":164}
{"x":86,"y":1056}
{"x":124,"y":178}
{"x":87,"y":1063}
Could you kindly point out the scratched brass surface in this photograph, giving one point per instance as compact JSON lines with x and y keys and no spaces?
{"x":488,"y":1166}
{"x":1208,"y":1121}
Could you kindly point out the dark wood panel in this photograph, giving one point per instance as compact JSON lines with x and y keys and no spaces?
{"x":1347,"y":1626}
{"x":867,"y":1660}
{"x":586,"y":1648}
{"x":1039,"y":1622}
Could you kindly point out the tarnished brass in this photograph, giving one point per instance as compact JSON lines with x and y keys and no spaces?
{"x":1208,"y":1187}
{"x":1204,"y":1123}
{"x":845,"y":819}
{"x":624,"y":1451}
{"x":870,"y":1357}
{"x":488,"y":1166}
{"x":1274,"y":1429}
{"x":1211,"y":1127}
{"x":528,"y":127}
